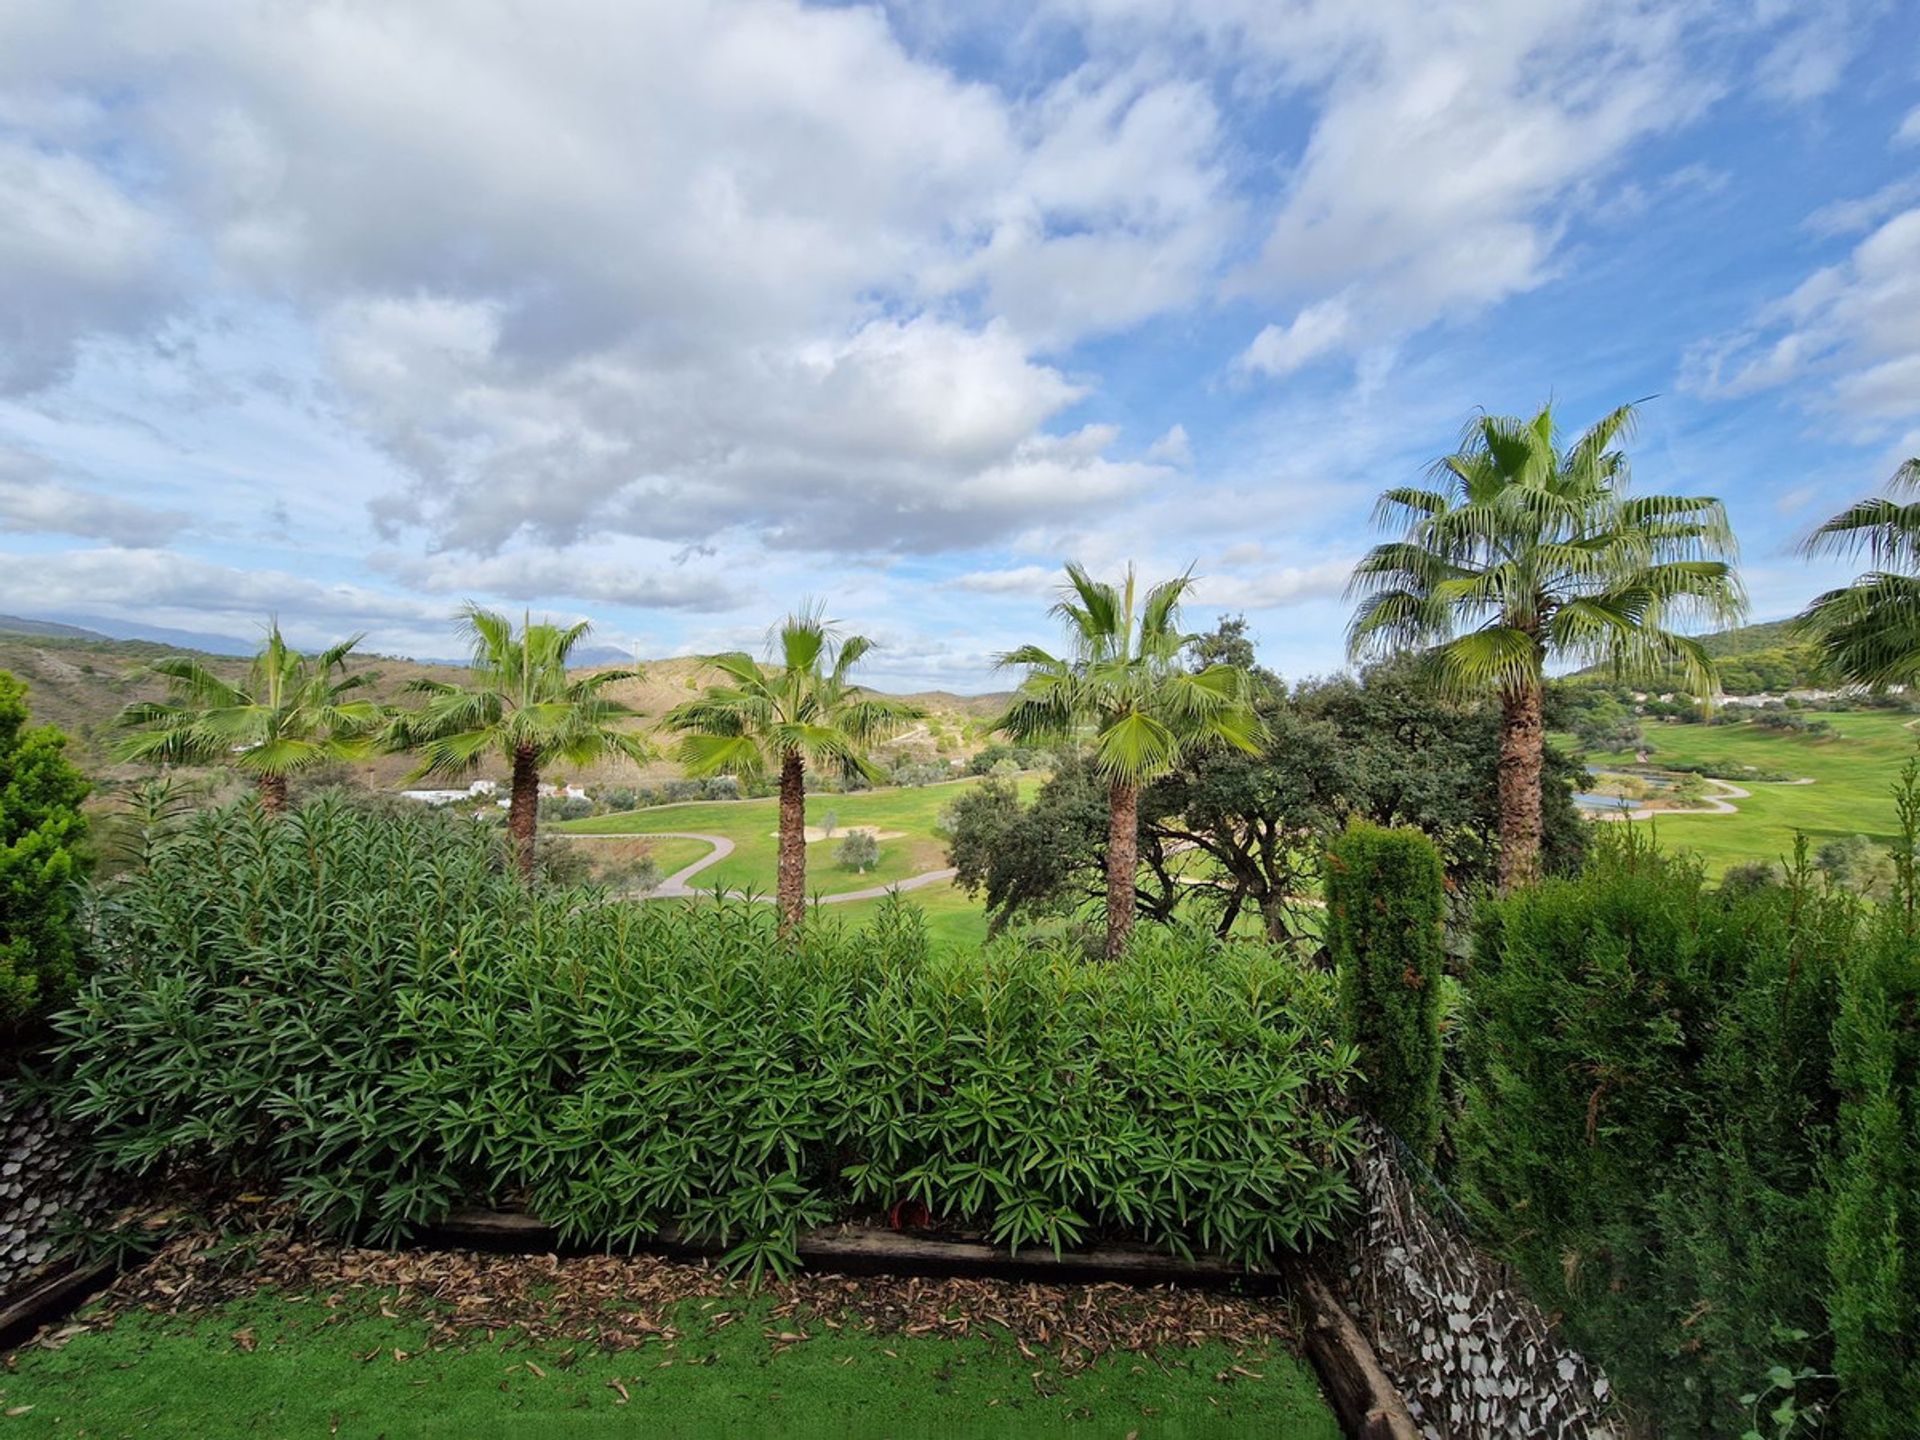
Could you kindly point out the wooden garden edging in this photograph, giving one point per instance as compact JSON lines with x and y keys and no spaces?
{"x":1364,"y":1399}
{"x":51,"y":1297}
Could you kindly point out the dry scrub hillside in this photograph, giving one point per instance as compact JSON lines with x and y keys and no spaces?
{"x":80,"y":685}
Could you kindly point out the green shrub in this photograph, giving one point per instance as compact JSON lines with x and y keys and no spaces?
{"x":41,"y":832}
{"x":859,"y":851}
{"x":1647,"y":1114}
{"x":368,"y":1014}
{"x":1385,"y":901}
{"x":1874,"y":1237}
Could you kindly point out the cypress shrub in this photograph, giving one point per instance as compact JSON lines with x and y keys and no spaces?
{"x":41,"y":833}
{"x":1874,"y":1240}
{"x":370,"y":1015}
{"x":1646,"y":1116}
{"x":1385,"y":899}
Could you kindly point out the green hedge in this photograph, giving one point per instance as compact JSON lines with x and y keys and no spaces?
{"x":1385,"y":905}
{"x":1650,"y":1126}
{"x":1874,"y":1237}
{"x":42,"y":834}
{"x":366,"y":1013}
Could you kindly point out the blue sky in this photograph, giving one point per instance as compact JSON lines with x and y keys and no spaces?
{"x":676,"y":316}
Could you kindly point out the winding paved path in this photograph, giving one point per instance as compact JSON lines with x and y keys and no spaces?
{"x":675,"y":886}
{"x":1715,"y":804}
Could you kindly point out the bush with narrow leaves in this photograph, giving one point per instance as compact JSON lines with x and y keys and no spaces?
{"x":367,"y":1014}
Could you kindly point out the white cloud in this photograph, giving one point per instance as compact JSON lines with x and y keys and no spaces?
{"x":659,"y":270}
{"x":1174,"y":448}
{"x":1850,"y":329}
{"x":1909,"y":131}
{"x":82,"y":257}
{"x":1020,"y":580}
{"x":1317,"y":330}
{"x":1807,"y":61}
{"x":164,"y":587}
{"x":1452,"y":145}
{"x":34,"y":502}
{"x":1851,"y":217}
{"x":1274,"y":588}
{"x":540,"y":574}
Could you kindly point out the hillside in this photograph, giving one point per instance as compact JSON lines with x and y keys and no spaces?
{"x":1747,"y":639}
{"x":1767,"y":658}
{"x":81,"y":684}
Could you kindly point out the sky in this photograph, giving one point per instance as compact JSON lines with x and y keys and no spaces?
{"x":680,"y":316}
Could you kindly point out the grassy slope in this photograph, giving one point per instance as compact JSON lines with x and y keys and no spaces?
{"x":1851,"y":771}
{"x":307,"y":1377}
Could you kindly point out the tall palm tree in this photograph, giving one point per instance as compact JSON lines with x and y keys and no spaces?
{"x":1525,"y":551}
{"x":801,"y":711}
{"x":520,"y":705}
{"x":1870,"y":630}
{"x":1122,"y":686}
{"x":291,"y":713}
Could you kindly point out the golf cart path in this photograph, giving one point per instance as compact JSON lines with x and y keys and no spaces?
{"x":675,"y":886}
{"x":1713,"y":804}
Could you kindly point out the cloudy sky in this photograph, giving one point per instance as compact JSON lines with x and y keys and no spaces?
{"x":674,"y":315}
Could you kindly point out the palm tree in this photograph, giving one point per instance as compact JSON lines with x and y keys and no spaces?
{"x":1525,"y":551}
{"x":1122,"y":685}
{"x":290,"y":714}
{"x":520,"y":705}
{"x":1870,"y":630}
{"x":801,"y":711}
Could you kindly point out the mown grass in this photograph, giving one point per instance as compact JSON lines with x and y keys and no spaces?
{"x":954,"y":917}
{"x":668,"y":854}
{"x":752,"y":826}
{"x":1852,"y":771}
{"x":311,"y":1372}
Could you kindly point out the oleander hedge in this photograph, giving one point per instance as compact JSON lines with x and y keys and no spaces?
{"x":369,"y":1015}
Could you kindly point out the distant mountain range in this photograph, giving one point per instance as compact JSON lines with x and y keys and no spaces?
{"x":91,"y":627}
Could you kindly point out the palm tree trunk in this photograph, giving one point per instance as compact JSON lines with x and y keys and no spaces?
{"x":1123,"y":862}
{"x":1522,"y":756}
{"x":273,"y":793}
{"x":523,"y":810}
{"x":791,"y":887}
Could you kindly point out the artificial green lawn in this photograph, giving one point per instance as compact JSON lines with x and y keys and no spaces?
{"x":1852,"y":771}
{"x":306,"y":1376}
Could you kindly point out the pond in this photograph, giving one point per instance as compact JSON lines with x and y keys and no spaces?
{"x":1588,"y":800}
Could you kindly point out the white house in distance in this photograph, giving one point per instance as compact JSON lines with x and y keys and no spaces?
{"x":478,"y":790}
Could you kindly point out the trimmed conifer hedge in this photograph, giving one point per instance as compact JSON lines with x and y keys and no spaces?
{"x":1691,"y":1116}
{"x":1385,"y":908}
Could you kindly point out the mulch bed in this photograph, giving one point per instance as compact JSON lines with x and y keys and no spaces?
{"x":622,"y":1302}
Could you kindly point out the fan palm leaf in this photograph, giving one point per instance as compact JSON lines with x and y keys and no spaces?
{"x":1121,"y":689}
{"x":1525,"y":550}
{"x":289,"y":715}
{"x":802,"y":711}
{"x":520,"y":705}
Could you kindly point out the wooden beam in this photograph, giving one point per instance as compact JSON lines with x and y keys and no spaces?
{"x":1363,"y":1397}
{"x":53,"y":1296}
{"x":868,"y":1248}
